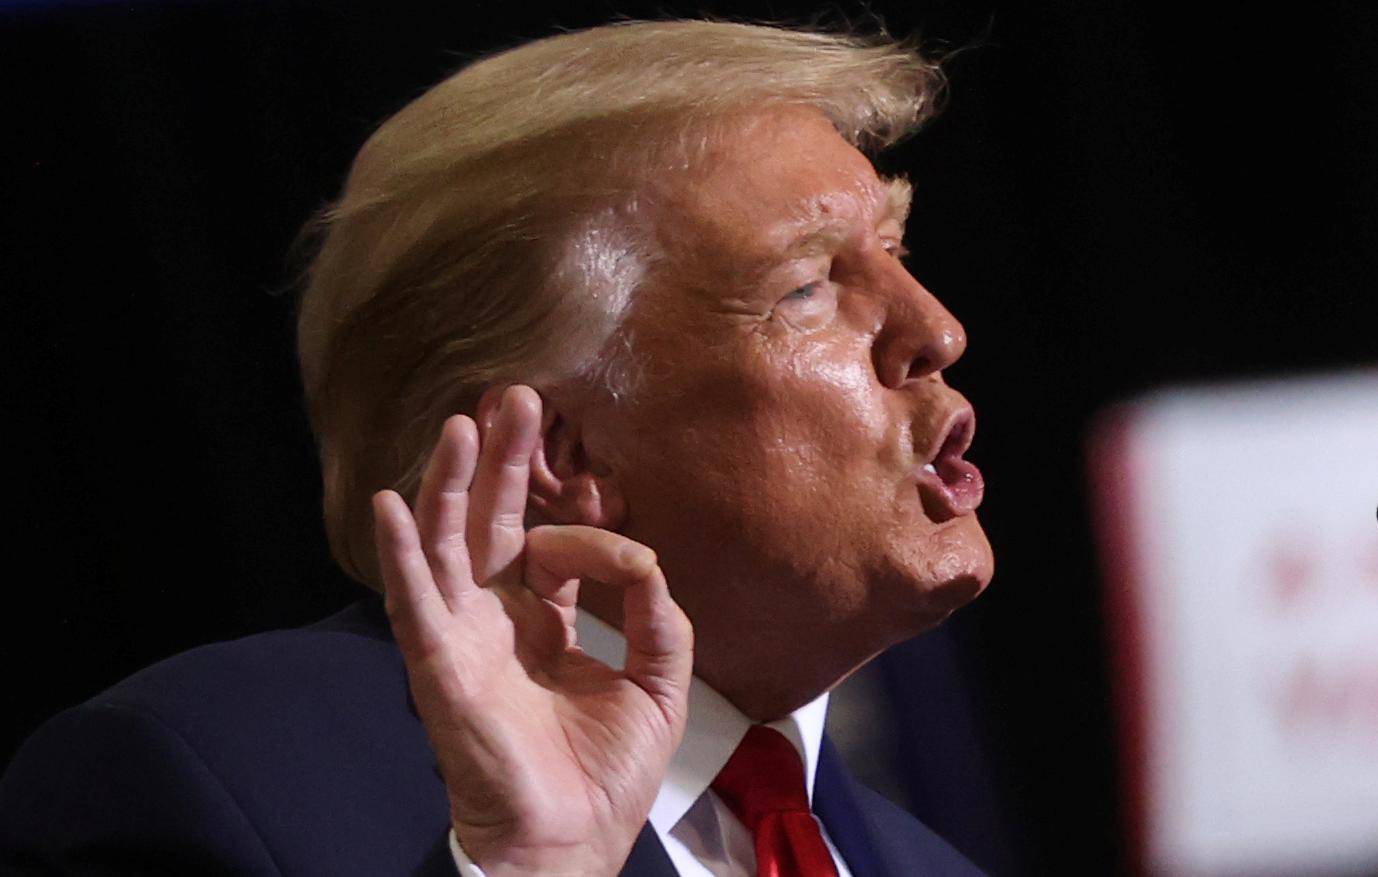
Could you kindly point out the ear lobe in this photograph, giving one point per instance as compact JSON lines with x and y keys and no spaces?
{"x":565,"y":489}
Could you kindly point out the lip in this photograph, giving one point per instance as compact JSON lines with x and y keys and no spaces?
{"x":955,"y":486}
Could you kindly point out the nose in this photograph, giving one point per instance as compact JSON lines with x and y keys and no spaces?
{"x":919,"y":337}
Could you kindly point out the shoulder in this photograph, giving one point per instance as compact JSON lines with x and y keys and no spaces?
{"x":267,"y":681}
{"x":103,"y":781}
{"x":284,"y":749}
{"x":287,"y":696}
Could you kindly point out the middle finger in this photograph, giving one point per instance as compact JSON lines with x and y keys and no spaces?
{"x":442,"y":506}
{"x":497,"y":511}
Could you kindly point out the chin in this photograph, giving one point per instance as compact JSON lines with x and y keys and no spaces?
{"x":933,"y":577}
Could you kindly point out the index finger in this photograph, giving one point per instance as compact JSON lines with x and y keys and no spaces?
{"x":660,"y":639}
{"x":416,"y":610}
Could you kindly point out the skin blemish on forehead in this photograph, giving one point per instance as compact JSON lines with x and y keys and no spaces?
{"x":825,"y":223}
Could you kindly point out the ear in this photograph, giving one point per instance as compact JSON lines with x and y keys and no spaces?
{"x":566,"y":487}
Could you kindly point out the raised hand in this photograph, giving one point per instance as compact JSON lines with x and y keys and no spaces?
{"x":551,"y":759}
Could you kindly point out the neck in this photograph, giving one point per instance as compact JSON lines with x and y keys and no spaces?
{"x":769,"y":680}
{"x":766,"y":675}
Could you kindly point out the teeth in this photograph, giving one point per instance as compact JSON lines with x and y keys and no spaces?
{"x":928,"y":467}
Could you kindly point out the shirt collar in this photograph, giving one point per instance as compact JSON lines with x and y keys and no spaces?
{"x":711,"y":734}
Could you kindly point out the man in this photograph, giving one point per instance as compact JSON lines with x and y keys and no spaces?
{"x":646,"y":291}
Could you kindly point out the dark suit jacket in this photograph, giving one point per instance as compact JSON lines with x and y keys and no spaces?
{"x":298,"y":752}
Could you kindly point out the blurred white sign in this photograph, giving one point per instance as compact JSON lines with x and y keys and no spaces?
{"x":1242,"y":556}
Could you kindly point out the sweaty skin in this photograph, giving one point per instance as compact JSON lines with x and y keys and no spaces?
{"x":771,"y":452}
{"x":789,"y":395}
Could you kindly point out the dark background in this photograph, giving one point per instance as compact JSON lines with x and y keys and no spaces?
{"x":1119,"y":195}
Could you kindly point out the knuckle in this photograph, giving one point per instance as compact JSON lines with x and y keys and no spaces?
{"x":509,"y":521}
{"x":438,"y":546}
{"x":685,"y":625}
{"x":451,"y":492}
{"x":450,"y":567}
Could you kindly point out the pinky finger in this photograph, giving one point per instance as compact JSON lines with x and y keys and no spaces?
{"x":415,"y":606}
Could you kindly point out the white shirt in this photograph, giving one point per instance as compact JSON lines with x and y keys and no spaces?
{"x":701,"y":836}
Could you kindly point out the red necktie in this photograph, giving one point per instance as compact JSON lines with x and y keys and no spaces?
{"x":763,"y":785}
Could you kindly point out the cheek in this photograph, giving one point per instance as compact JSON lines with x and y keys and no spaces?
{"x":832,"y":473}
{"x":857,"y":451}
{"x":775,"y":437}
{"x":827,"y":406}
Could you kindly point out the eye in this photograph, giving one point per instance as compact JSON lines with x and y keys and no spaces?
{"x":805,"y":292}
{"x":896,"y":248}
{"x":808,"y":307}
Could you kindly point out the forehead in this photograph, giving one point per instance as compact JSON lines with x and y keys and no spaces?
{"x":762,"y":183}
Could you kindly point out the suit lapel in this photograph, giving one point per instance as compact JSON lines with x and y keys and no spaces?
{"x":875,"y":837}
{"x":836,"y":803}
{"x":648,"y":857}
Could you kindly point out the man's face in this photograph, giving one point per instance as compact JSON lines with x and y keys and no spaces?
{"x":790,"y":395}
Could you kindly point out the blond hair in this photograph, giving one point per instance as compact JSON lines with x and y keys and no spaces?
{"x":485,"y":236}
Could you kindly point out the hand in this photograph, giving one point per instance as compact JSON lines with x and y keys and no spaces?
{"x":550,"y":758}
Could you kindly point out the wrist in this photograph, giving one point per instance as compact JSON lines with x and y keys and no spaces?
{"x":568,"y":860}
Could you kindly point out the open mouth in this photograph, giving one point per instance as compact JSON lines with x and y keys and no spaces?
{"x":950,"y":486}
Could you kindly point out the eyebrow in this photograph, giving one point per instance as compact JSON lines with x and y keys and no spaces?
{"x":899,"y":195}
{"x":893,"y":201}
